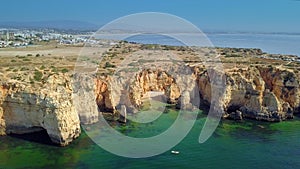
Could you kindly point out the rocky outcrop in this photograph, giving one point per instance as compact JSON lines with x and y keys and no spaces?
{"x":2,"y":121}
{"x":111,"y":93}
{"x":284,"y":84}
{"x":84,"y":98}
{"x":237,"y":115}
{"x":154,"y":80}
{"x":260,"y":93}
{"x":25,"y":109}
{"x":123,"y":114}
{"x":104,"y":91}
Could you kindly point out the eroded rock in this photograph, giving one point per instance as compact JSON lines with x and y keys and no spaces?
{"x":23,"y":109}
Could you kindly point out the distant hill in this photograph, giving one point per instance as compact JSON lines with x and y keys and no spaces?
{"x":63,"y":24}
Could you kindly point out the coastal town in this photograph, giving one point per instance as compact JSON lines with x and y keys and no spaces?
{"x":20,"y":38}
{"x":24,"y":38}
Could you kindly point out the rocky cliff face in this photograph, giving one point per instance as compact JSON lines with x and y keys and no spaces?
{"x":112,"y":94}
{"x":84,"y":98}
{"x":284,"y":84}
{"x":25,"y":109}
{"x":154,"y":80}
{"x":104,"y":94}
{"x":260,"y":93}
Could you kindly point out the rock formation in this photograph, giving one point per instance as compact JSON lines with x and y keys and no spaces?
{"x":260,"y":93}
{"x":123,"y":114}
{"x":26,"y":109}
{"x":154,"y":80}
{"x":57,"y":104}
{"x":84,"y":98}
{"x":104,"y":94}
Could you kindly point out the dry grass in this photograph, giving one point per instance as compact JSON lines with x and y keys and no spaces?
{"x":23,"y":64}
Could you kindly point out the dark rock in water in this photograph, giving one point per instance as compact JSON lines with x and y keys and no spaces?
{"x":265,"y":115}
{"x":238,"y":115}
{"x":288,"y":110}
{"x":225,"y":115}
{"x":290,"y":115}
{"x":276,"y":115}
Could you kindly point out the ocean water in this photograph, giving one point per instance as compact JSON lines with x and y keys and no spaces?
{"x":270,"y":43}
{"x":244,"y":145}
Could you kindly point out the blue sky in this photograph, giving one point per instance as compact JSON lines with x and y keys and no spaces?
{"x":227,"y":15}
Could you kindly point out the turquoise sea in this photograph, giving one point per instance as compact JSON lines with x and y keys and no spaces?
{"x":248,"y":144}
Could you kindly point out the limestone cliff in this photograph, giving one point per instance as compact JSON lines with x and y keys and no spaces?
{"x":36,"y":97}
{"x":84,"y":98}
{"x":104,"y":94}
{"x":257,"y":92}
{"x":284,"y":84}
{"x":28,"y":108}
{"x":260,"y":93}
{"x":154,"y":80}
{"x":111,"y":93}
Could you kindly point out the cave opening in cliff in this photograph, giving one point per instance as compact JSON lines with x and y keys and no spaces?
{"x":233,"y":108}
{"x":40,"y":136}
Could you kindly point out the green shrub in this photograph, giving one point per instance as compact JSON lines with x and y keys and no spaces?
{"x":54,"y":69}
{"x":38,"y":76}
{"x":42,"y":67}
{"x":9,"y":69}
{"x":24,"y":69}
{"x":232,"y":56}
{"x":64,"y":70}
{"x":109,"y":65}
{"x":26,"y":59}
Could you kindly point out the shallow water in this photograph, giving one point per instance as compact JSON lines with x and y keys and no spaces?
{"x":233,"y":145}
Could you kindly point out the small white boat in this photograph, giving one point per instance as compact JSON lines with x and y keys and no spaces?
{"x":175,"y":152}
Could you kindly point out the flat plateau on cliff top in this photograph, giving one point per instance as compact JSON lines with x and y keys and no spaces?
{"x":34,"y":64}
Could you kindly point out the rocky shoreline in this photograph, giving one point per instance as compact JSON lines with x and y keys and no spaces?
{"x":64,"y":100}
{"x":260,"y":93}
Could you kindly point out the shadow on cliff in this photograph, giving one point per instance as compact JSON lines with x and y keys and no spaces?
{"x":40,"y":137}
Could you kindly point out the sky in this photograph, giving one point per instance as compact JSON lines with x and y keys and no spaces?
{"x":222,"y":15}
